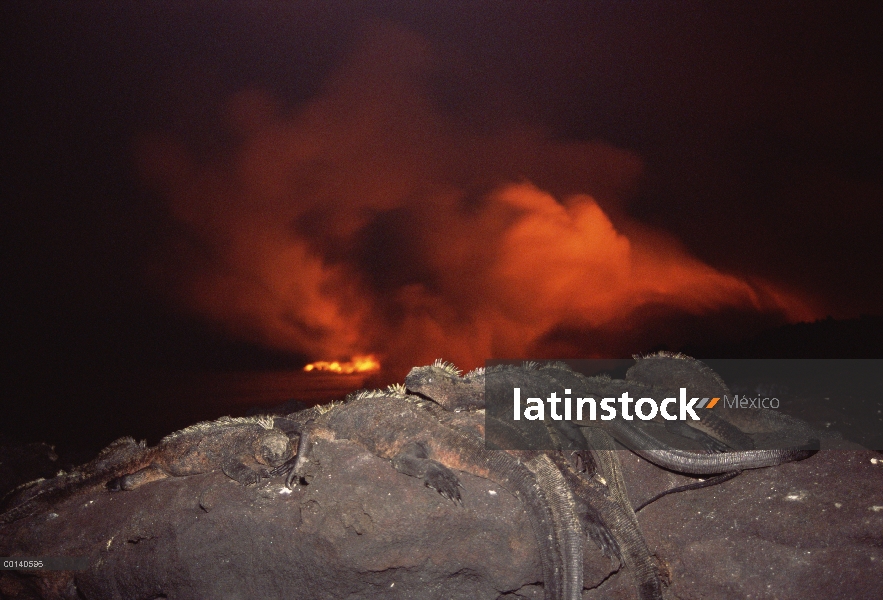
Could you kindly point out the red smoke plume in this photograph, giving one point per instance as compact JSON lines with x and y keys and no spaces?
{"x":371,"y":221}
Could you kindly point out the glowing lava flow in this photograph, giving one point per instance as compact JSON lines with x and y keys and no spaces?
{"x":359,"y":364}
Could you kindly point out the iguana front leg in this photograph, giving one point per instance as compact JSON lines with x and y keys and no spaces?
{"x":414,"y":461}
{"x":238,"y":471}
{"x":293,"y":467}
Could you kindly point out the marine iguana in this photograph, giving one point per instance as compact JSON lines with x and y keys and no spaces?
{"x":244,"y":448}
{"x":444,"y":384}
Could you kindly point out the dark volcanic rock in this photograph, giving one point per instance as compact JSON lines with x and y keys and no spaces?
{"x":359,"y":529}
{"x":811,"y":529}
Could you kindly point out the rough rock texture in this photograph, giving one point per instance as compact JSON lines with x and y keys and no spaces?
{"x":812,"y":529}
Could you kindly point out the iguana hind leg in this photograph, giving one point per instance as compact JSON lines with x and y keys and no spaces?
{"x":152,"y":472}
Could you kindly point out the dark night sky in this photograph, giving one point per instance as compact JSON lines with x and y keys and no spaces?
{"x":757,"y":128}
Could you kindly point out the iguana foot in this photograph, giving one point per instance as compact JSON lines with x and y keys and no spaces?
{"x":283,"y":469}
{"x":413,"y":461}
{"x":442,"y":480}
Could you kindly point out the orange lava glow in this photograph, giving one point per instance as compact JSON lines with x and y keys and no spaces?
{"x":369,"y":220}
{"x":359,"y":364}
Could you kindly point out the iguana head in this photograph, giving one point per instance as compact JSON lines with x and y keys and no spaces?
{"x":273,"y":448}
{"x":432,"y":380}
{"x":442,"y":383}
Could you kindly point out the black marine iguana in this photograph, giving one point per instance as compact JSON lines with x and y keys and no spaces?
{"x":245,"y":449}
{"x":651,"y":375}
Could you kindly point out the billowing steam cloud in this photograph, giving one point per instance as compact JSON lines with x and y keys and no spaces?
{"x":371,"y":221}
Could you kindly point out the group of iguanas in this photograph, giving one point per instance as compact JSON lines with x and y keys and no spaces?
{"x":433,"y":425}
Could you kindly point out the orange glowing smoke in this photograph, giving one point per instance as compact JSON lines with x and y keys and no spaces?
{"x":359,"y":364}
{"x":368,"y":220}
